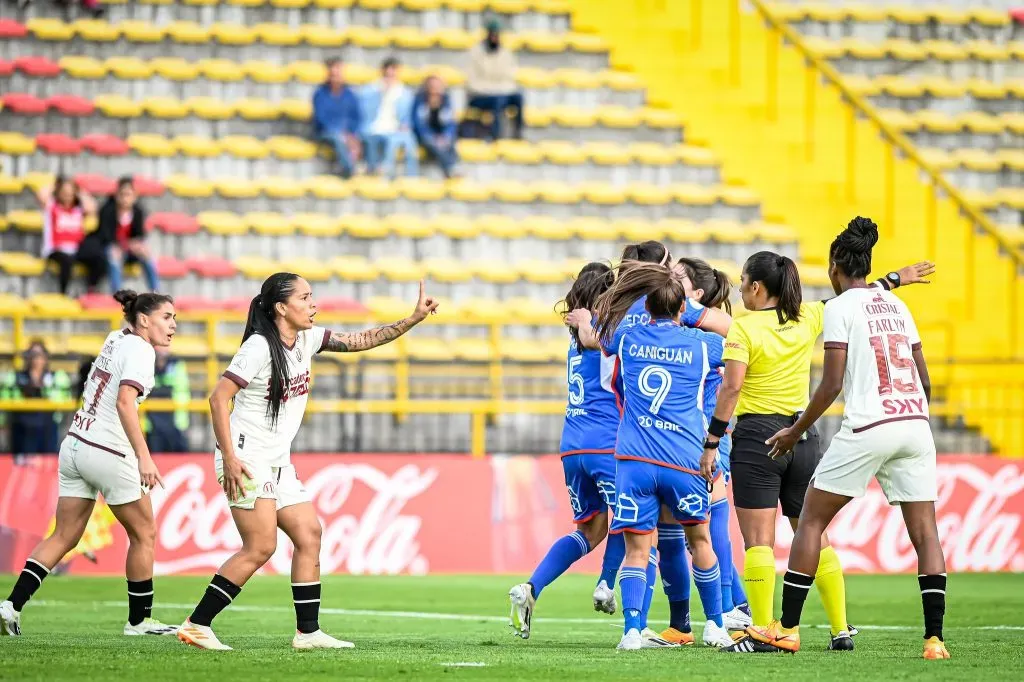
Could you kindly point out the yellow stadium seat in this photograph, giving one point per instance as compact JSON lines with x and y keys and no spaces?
{"x":1011,"y":158}
{"x":990,"y":16}
{"x":905,"y":50}
{"x":620,"y":81}
{"x":559,"y":193}
{"x":263,"y":71}
{"x":571,"y":118}
{"x":537,"y":118}
{"x":586,"y":43}
{"x":454,"y":226}
{"x":607,"y":153}
{"x":1011,"y":196}
{"x":578,"y":79}
{"x":364,"y":226}
{"x":400,"y":269}
{"x":455,"y":39}
{"x":695,"y":195}
{"x":291,"y":148}
{"x":232,"y":34}
{"x":649,"y":195}
{"x":862,"y":85}
{"x":190,"y":346}
{"x":26,"y":220}
{"x":814,"y":276}
{"x":419,"y":189}
{"x":368,"y":37}
{"x":57,"y":305}
{"x":540,"y":271}
{"x":900,"y":120}
{"x":289,"y":4}
{"x":34,"y":181}
{"x":277,"y":187}
{"x":650,"y":154}
{"x":738,"y":196}
{"x":468,"y":191}
{"x":477,"y":151}
{"x":410,"y":38}
{"x":950,"y":16}
{"x":222,"y":223}
{"x":939,"y":86}
{"x":233,"y":188}
{"x":16,"y":144}
{"x":142,"y":31}
{"x":11,"y":304}
{"x":328,"y":187}
{"x":174,"y":68}
{"x":472,"y":350}
{"x":565,"y":153}
{"x":518,"y":151}
{"x":83,"y":67}
{"x":221,"y":70}
{"x":188,"y":32}
{"x":637,"y":230}
{"x":269,"y":224}
{"x":378,"y":5}
{"x":556,"y":7}
{"x":164,"y":107}
{"x":244,"y":146}
{"x":448,"y":270}
{"x":466,"y":5}
{"x":118,"y":106}
{"x":603,"y":193}
{"x":508,"y":6}
{"x":908,"y":15}
{"x":316,"y":225}
{"x":898,"y":86}
{"x":824,"y":13}
{"x":729,"y":232}
{"x":277,"y":34}
{"x":129,"y":68}
{"x":311,"y":268}
{"x":256,"y":267}
{"x":984,"y":89}
{"x":205,"y":3}
{"x":501,"y":226}
{"x":354,"y":269}
{"x":661,"y":118}
{"x":95,"y":30}
{"x":10,"y":184}
{"x":980,"y":123}
{"x":210,"y":108}
{"x":535,"y":78}
{"x":982,"y":200}
{"x":495,"y":271}
{"x":619,"y":117}
{"x":151,"y":145}
{"x":592,"y":229}
{"x":23,"y":264}
{"x":530,"y":309}
{"x":546,"y":227}
{"x":318,"y":35}
{"x":1012,"y":121}
{"x":977,"y":160}
{"x":258,"y":109}
{"x":825,"y":48}
{"x":864,"y":49}
{"x":514,"y":192}
{"x":408,"y":226}
{"x":50,"y":29}
{"x":448,"y":74}
{"x":518,"y":350}
{"x":375,"y":189}
{"x":944,"y":50}
{"x":430,"y":349}
{"x":308,"y":71}
{"x":864,"y":13}
{"x":774,"y":233}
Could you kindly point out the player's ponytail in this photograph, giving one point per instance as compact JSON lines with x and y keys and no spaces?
{"x":134,"y":304}
{"x":713,"y":283}
{"x":662,"y":286}
{"x":645,"y":252}
{"x":594,"y":279}
{"x":262,"y":320}
{"x":851,"y":250}
{"x":780,"y":278}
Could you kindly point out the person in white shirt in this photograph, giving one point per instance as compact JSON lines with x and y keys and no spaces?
{"x":491,"y":82}
{"x":105,"y":452}
{"x":269,"y":381}
{"x":387,"y":123}
{"x":873,"y":355}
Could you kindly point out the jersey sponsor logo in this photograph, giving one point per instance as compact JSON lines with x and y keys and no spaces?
{"x":733,"y":344}
{"x":268,"y":487}
{"x":648,"y":422}
{"x":575,"y":412}
{"x":297,"y":386}
{"x":904,"y":405}
{"x":658,"y":353}
{"x":880,"y":307}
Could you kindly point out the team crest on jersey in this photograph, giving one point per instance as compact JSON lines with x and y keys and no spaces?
{"x":268,"y":487}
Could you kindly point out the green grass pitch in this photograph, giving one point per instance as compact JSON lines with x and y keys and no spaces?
{"x":432,"y":627}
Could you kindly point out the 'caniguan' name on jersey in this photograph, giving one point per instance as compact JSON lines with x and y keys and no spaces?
{"x":663,"y":368}
{"x":252,"y":435}
{"x":592,"y":414}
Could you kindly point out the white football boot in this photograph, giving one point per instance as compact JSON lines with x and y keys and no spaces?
{"x":716,"y":636}
{"x":200,"y":636}
{"x":631,"y":641}
{"x":149,"y":626}
{"x":604,"y":598}
{"x":522,"y":602}
{"x":319,"y":640}
{"x":736,"y":620}
{"x":653,"y":640}
{"x":10,"y":620}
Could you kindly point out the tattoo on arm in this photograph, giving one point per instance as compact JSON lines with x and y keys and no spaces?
{"x":353,"y":342}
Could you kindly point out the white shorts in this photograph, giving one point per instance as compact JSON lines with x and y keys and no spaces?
{"x":276,"y":483}
{"x":901,"y":455}
{"x":85,"y":470}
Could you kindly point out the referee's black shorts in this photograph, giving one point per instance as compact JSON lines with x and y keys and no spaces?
{"x":760,"y":482}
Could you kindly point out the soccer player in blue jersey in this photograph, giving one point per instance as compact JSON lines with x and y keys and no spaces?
{"x":587,"y":448}
{"x":661,"y":437}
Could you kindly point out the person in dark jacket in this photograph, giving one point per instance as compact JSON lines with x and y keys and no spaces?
{"x":122,"y":234}
{"x":433,"y":121}
{"x":337,"y":117}
{"x":35,"y":432}
{"x":165,"y":431}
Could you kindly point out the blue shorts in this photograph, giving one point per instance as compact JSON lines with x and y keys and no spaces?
{"x":643,"y":487}
{"x":590,"y":480}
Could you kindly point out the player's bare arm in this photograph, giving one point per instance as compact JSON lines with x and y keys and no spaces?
{"x":128,"y":414}
{"x":580,"y":320}
{"x":235,"y":472}
{"x":922,"y":373}
{"x":728,"y":396}
{"x":717,"y":322}
{"x":353,"y":342}
{"x":828,"y":390}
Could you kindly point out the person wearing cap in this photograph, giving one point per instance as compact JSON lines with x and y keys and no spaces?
{"x":491,"y":81}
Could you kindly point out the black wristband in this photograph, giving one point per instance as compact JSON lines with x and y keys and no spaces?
{"x":884,"y":283}
{"x":717,"y":427}
{"x":708,"y":445}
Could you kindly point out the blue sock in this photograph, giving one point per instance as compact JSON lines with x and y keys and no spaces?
{"x":566,"y":551}
{"x":674,"y":564}
{"x":723,"y":549}
{"x":709,"y":587}
{"x":652,"y":577}
{"x":739,"y":595}
{"x":614,"y":551}
{"x":633,"y":586}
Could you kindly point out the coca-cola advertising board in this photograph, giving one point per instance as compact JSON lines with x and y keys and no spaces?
{"x":391,"y":514}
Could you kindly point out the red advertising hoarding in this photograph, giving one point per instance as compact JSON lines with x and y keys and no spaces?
{"x":389,"y":514}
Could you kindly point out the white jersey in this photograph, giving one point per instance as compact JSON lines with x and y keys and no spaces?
{"x":125,"y":360}
{"x":253,"y":436}
{"x":879,"y":335}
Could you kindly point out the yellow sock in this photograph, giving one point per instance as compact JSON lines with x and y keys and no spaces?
{"x":832,"y":589}
{"x":759,"y":580}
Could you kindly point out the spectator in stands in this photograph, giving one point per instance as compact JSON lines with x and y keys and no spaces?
{"x":387,"y":113}
{"x":491,"y":81}
{"x":35,"y":432}
{"x":433,"y":120}
{"x":337,"y":119}
{"x":122,"y":235}
{"x":166,"y":432}
{"x":65,"y":208}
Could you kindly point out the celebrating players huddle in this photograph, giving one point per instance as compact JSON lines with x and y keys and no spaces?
{"x":655,"y":380}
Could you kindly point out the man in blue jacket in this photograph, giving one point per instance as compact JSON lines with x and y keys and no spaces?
{"x":337,"y":117}
{"x":433,"y":120}
{"x":387,"y":118}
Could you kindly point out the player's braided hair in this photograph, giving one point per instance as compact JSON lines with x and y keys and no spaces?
{"x":134,"y":304}
{"x":715,"y":283}
{"x":781,"y":279}
{"x":262,"y":320}
{"x":662,"y":286}
{"x":594,"y":279}
{"x":851,"y":250}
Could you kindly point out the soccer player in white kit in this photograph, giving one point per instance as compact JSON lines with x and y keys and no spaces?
{"x":873,"y":354}
{"x":105,"y":452}
{"x":269,"y":382}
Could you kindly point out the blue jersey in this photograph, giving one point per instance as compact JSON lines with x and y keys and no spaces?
{"x":592,"y":414}
{"x":664,"y":367}
{"x":693,"y":313}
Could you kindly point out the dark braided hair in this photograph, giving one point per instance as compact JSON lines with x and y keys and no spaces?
{"x":594,"y":279}
{"x":276,"y":289}
{"x":851,"y":250}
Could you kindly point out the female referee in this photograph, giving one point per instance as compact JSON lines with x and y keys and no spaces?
{"x":767,"y":377}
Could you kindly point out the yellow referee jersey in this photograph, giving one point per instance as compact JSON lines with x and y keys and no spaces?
{"x":778,"y":358}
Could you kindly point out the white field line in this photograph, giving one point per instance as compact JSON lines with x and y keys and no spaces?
{"x":424,"y":615}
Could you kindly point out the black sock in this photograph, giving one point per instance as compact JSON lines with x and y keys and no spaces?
{"x":679,"y":615}
{"x":307,"y":606}
{"x":795,"y":587}
{"x":219,"y":593}
{"x":28,"y":582}
{"x":933,"y":597}
{"x":140,"y":600}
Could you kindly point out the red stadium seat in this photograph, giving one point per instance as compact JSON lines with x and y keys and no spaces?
{"x":211,"y":266}
{"x":195,"y":304}
{"x":21,"y":103}
{"x":37,"y":67}
{"x":6,"y":68}
{"x":1017,"y":14}
{"x":98,"y":302}
{"x":55,"y":143}
{"x":105,"y":145}
{"x":169,"y":267}
{"x":148,"y":187}
{"x":340,"y":304}
{"x":12,"y":29}
{"x":237,"y":304}
{"x":173,"y":223}
{"x":72,"y":105}
{"x":96,"y":185}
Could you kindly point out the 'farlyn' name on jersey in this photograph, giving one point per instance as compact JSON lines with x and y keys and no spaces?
{"x":682,"y":357}
{"x":887,"y":325}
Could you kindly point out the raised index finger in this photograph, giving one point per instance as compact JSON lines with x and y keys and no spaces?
{"x":422,"y":293}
